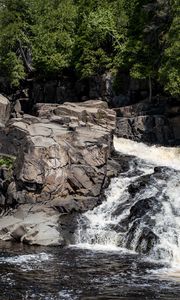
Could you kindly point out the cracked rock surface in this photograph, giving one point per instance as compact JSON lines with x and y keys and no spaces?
{"x":61,"y":167}
{"x":150,"y":122}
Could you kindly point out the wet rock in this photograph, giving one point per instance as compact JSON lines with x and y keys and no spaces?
{"x":148,"y":129}
{"x":18,"y":232}
{"x":146,"y":241}
{"x":175,"y":125}
{"x":68,"y":226}
{"x":163,"y":173}
{"x":141,"y":237}
{"x":141,"y":207}
{"x":138,"y":185}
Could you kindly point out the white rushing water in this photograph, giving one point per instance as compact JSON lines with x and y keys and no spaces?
{"x":160,"y":156}
{"x":112,"y":225}
{"x":26,"y":261}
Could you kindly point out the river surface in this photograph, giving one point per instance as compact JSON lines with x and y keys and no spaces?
{"x":120,"y":251}
{"x":74,"y":273}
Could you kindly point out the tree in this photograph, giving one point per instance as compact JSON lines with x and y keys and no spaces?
{"x":45,"y":38}
{"x":148,"y":21}
{"x":169,"y":73}
{"x":52,"y":35}
{"x":97,"y":37}
{"x":36,"y":35}
{"x":13,"y":26}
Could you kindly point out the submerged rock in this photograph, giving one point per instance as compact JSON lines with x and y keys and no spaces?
{"x":141,"y":207}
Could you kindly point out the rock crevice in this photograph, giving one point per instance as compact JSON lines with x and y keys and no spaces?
{"x":61,"y":167}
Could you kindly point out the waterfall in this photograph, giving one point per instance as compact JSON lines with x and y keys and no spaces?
{"x":142,"y":208}
{"x":160,"y":156}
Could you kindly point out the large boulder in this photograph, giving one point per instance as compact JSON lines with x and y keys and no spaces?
{"x":34,"y":225}
{"x":54,"y":162}
{"x":61,"y":167}
{"x":63,"y":153}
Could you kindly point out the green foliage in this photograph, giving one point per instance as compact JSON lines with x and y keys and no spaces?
{"x":44,"y":28}
{"x":97,"y":30}
{"x":142,"y":48}
{"x":101,"y":30}
{"x":52,"y":35}
{"x":6,"y":161}
{"x":12,"y":27}
{"x":47,"y":37}
{"x":169,"y":72}
{"x":13,"y":67}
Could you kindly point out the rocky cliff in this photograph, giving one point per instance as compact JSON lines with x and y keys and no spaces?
{"x":62,"y":166}
{"x":155,"y":122}
{"x":64,"y":154}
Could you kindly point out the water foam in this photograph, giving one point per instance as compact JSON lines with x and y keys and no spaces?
{"x":27,"y":261}
{"x":161,"y":156}
{"x":98,"y":228}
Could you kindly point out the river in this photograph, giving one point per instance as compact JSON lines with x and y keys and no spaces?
{"x":127,"y":248}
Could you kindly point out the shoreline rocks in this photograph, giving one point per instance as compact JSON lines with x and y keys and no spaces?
{"x":64,"y":161}
{"x":61,"y":167}
{"x":155,"y":122}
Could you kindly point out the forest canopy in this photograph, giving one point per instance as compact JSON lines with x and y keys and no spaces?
{"x":89,"y":37}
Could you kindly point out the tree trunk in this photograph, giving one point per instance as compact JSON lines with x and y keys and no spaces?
{"x":28,"y":67}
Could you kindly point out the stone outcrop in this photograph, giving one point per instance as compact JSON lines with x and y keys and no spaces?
{"x":61,"y":166}
{"x":63,"y":154}
{"x":32,"y":224}
{"x":117,"y":91}
{"x":5,"y":110}
{"x":153,"y":123}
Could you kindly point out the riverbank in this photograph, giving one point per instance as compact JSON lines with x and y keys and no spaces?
{"x":63,"y":164}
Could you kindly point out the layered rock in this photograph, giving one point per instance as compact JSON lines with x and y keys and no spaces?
{"x":153,"y":123}
{"x":61,"y":164}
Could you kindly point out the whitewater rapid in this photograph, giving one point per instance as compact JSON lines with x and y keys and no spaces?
{"x":157,"y":155}
{"x":102,"y":228}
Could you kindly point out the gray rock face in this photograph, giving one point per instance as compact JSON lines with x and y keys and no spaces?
{"x":154,"y":123}
{"x":149,"y":129}
{"x":33,"y":225}
{"x":64,"y":154}
{"x":61,"y":164}
{"x":4,"y":110}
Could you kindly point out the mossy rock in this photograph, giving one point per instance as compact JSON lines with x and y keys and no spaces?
{"x":6,"y":161}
